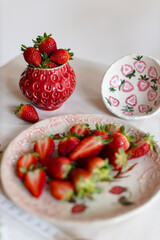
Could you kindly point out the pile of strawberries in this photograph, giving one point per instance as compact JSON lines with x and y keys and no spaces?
{"x":84,"y":157}
{"x":44,"y":53}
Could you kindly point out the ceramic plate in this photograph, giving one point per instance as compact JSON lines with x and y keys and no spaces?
{"x":131,"y":87}
{"x":129,"y":192}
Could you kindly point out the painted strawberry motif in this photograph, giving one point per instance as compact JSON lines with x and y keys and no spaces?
{"x":143,"y":85}
{"x":114,"y":102}
{"x":140,"y":66}
{"x":117,"y":190}
{"x":159,"y":80}
{"x":127,"y":113}
{"x":131,"y":100}
{"x":151,"y":95}
{"x":114,"y":82}
{"x":143,"y":108}
{"x":152,"y":72}
{"x":126,"y":69}
{"x":157,"y":102}
{"x":127,"y":87}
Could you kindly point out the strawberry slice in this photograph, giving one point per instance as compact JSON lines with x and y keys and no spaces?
{"x":89,"y":146}
{"x":83,"y":182}
{"x":67,"y":145}
{"x":45,"y":148}
{"x":25,"y":162}
{"x":80,"y":130}
{"x":58,"y":167}
{"x":142,"y":147}
{"x":98,"y":167}
{"x":61,"y":189}
{"x":35,"y":182}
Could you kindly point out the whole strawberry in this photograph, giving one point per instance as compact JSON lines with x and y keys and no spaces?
{"x":45,"y":43}
{"x":31,"y":55}
{"x":61,"y":56}
{"x":27,"y":112}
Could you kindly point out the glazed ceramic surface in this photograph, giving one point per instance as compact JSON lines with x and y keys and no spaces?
{"x":131,"y":87}
{"x":48,"y":89}
{"x":126,"y":195}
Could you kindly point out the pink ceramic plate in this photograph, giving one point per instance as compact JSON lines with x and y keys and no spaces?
{"x":131,"y":87}
{"x":121,"y":198}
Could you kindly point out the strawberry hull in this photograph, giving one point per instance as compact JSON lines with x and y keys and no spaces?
{"x":48,"y":89}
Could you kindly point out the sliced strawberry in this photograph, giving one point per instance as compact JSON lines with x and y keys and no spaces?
{"x":25,"y":162}
{"x":80,"y":130}
{"x":58,"y":167}
{"x":89,"y":146}
{"x":98,"y":167}
{"x":101,"y":130}
{"x":83,"y":182}
{"x":67,"y":145}
{"x":142,"y":147}
{"x":61,"y":189}
{"x":45,"y":148}
{"x":35,"y":182}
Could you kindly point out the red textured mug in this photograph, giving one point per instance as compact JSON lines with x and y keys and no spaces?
{"x":48,"y":89}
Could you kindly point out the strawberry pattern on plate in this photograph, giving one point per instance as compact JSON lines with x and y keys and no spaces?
{"x":130,"y":83}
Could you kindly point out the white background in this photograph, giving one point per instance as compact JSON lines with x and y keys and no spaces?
{"x":96,"y":30}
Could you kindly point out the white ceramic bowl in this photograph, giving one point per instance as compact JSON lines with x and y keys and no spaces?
{"x":131,"y":87}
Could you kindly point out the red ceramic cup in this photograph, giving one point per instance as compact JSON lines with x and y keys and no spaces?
{"x":48,"y":89}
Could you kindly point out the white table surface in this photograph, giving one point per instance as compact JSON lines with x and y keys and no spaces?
{"x":17,"y":225}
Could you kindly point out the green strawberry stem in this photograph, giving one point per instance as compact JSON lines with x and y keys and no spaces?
{"x":71,"y":54}
{"x":18,"y":108}
{"x":40,"y":39}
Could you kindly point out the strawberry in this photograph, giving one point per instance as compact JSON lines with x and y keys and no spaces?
{"x":101,"y":130}
{"x":45,"y":43}
{"x":25,"y":162}
{"x":67,"y":145}
{"x":112,"y":128}
{"x":52,"y":65}
{"x":89,"y":146}
{"x":61,"y":189}
{"x":98,"y":167}
{"x":83,"y":182}
{"x":142,"y":147}
{"x":61,"y":56}
{"x":27,"y":112}
{"x":35,"y":181}
{"x":31,"y":56}
{"x":80,"y":130}
{"x":58,"y":167}
{"x":117,"y":158}
{"x":45,"y":148}
{"x":120,"y":139}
